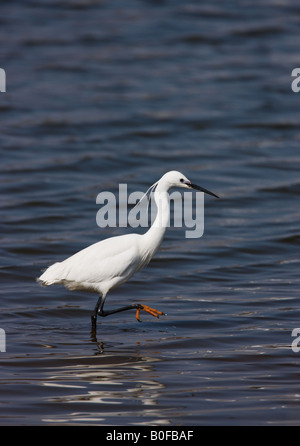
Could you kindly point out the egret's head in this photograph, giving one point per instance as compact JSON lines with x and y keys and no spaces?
{"x":177,"y":179}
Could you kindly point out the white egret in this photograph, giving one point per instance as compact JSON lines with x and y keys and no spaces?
{"x":107,"y":264}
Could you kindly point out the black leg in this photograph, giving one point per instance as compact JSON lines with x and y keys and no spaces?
{"x":118,"y":310}
{"x":99,"y":310}
{"x":100,"y":303}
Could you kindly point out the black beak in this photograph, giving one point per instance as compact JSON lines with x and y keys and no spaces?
{"x":194,"y":186}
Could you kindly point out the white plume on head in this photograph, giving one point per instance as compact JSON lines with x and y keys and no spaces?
{"x":148,"y":192}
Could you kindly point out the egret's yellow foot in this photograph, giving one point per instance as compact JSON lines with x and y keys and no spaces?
{"x":149,"y":310}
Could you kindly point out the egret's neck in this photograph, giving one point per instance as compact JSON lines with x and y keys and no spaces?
{"x":153,"y":237}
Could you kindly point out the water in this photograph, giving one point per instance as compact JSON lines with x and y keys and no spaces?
{"x":102,"y":93}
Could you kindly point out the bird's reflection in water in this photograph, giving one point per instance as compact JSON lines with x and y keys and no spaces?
{"x":91,"y":388}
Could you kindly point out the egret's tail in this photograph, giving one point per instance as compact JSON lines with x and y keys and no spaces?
{"x":51,"y":275}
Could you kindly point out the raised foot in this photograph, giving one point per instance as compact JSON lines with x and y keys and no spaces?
{"x":149,"y":310}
